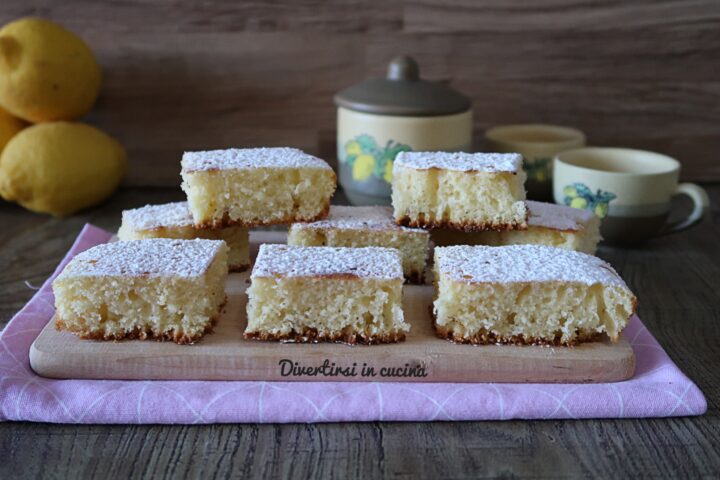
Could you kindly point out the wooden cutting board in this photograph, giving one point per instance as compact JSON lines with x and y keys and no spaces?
{"x":225,"y":355}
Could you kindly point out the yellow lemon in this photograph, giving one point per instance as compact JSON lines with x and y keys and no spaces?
{"x":578,"y":202}
{"x":60,"y":167}
{"x":388,"y":171}
{"x":570,"y":191}
{"x":47,"y":73}
{"x":363,"y":167}
{"x":601,"y":210}
{"x":353,"y":148}
{"x":9,"y":126}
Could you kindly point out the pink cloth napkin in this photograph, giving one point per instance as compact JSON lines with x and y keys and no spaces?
{"x":658,"y":389}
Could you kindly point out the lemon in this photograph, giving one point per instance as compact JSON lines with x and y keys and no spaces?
{"x":363,"y":167}
{"x":353,"y":148}
{"x":60,"y":167}
{"x":578,"y":202}
{"x":601,"y":210}
{"x":9,"y":126}
{"x":570,"y":191}
{"x":388,"y":171}
{"x":47,"y":73}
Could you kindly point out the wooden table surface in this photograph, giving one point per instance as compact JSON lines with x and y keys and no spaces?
{"x":677,"y":279}
{"x":185,"y":75}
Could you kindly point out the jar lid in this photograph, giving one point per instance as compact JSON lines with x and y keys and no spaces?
{"x":403,"y":92}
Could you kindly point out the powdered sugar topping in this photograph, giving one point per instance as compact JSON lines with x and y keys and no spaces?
{"x":358,"y":218}
{"x":290,"y":261}
{"x":176,"y":214}
{"x":248,"y":158}
{"x":523,"y":263}
{"x":558,"y":217}
{"x":157,"y":257}
{"x":460,"y":161}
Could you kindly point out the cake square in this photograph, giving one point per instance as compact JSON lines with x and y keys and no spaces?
{"x":156,"y":288}
{"x":173,"y":220}
{"x":316,"y":294}
{"x":366,"y":227}
{"x":548,"y":224}
{"x":527,"y":294}
{"x":256,"y":186}
{"x":459,"y":191}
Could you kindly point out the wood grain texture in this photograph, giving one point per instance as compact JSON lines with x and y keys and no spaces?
{"x":226,"y":355}
{"x":180,"y":75}
{"x":677,"y":279}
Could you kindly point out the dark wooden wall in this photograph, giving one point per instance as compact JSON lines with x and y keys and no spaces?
{"x":191,"y":75}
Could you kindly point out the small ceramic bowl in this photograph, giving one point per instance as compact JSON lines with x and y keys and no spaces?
{"x":538,"y":144}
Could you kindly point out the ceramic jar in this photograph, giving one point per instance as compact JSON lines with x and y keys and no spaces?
{"x":379,"y":118}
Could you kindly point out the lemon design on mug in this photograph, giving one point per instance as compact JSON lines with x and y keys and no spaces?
{"x":367,"y":159}
{"x":353,"y":148}
{"x":579,"y":195}
{"x":388,"y":171}
{"x":579,"y":202}
{"x":601,"y":210}
{"x":363,"y":166}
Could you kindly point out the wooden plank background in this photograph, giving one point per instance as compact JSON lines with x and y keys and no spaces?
{"x":182,"y":75}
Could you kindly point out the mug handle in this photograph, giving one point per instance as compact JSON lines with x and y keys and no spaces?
{"x":701,"y":202}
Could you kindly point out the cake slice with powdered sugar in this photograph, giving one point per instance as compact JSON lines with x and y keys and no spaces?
{"x":173,"y":220}
{"x":527,"y":294}
{"x":366,"y":227}
{"x":256,"y":186}
{"x":316,"y":294}
{"x":459,"y":191}
{"x":149,"y":289}
{"x":548,"y":224}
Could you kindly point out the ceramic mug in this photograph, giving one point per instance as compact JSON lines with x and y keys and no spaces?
{"x":629,"y":189}
{"x":538,"y":144}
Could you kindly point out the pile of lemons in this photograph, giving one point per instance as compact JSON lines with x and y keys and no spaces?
{"x":48,"y":162}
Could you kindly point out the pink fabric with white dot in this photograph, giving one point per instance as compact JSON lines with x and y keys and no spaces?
{"x":658,"y":389}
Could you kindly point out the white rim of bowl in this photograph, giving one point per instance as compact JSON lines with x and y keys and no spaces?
{"x":571,"y":135}
{"x":616,"y":150}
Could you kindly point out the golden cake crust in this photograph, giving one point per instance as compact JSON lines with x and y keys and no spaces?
{"x":139,"y":333}
{"x":311,"y":335}
{"x":406,"y":221}
{"x":488,"y":338}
